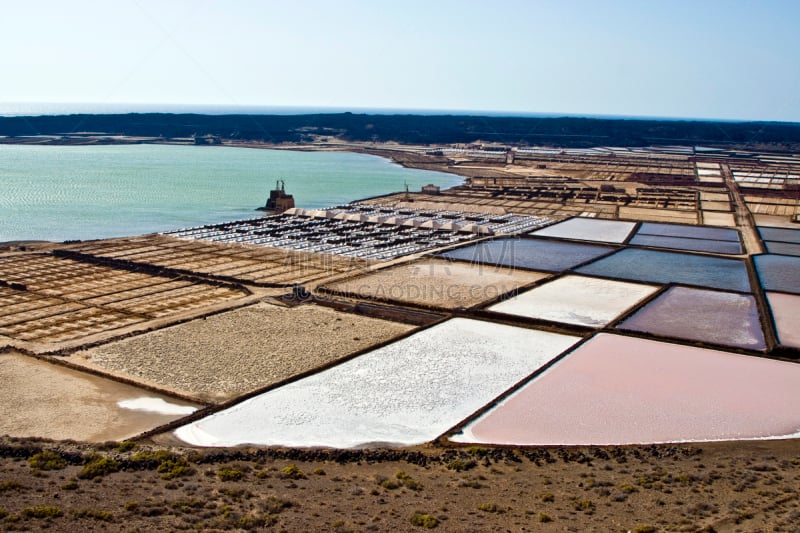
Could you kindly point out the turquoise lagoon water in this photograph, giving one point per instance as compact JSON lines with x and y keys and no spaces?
{"x":59,"y":193}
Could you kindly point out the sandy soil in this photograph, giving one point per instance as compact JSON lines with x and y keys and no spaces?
{"x":715,"y":206}
{"x":715,"y":196}
{"x":45,"y":400}
{"x":775,"y":221}
{"x":712,"y":218}
{"x":231,"y":353}
{"x":437,"y":283}
{"x":658,"y":215}
{"x":722,"y":487}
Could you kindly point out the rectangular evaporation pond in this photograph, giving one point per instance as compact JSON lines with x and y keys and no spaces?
{"x":50,"y":401}
{"x":625,"y":390}
{"x":579,"y":300}
{"x":780,"y":234}
{"x":786,"y":314}
{"x":721,"y":318}
{"x":682,"y":243}
{"x":589,"y":229}
{"x":672,"y":267}
{"x":405,"y":393}
{"x":688,"y":231}
{"x":534,"y":254}
{"x":783,"y":248}
{"x":778,"y":272}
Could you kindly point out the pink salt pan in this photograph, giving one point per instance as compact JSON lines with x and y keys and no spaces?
{"x":786,"y":312}
{"x":624,"y":390}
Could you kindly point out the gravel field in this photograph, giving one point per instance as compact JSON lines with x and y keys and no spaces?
{"x":231,"y":353}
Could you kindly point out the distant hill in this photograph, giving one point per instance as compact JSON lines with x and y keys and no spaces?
{"x":420,"y":129}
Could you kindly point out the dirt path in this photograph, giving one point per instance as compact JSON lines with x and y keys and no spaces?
{"x":744,"y":220}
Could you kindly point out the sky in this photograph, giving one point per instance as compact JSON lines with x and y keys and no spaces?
{"x":731,"y":59}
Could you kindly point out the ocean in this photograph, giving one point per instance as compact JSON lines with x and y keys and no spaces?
{"x":59,"y":193}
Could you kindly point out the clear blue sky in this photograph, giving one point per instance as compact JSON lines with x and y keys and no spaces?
{"x":733,"y":59}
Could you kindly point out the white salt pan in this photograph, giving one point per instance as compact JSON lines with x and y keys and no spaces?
{"x":589,"y":229}
{"x":406,"y":393}
{"x":576,"y":300}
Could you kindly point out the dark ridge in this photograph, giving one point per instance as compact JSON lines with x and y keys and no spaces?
{"x":418,"y":129}
{"x":75,"y":453}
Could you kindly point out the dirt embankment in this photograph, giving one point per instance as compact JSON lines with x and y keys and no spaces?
{"x":751,"y":486}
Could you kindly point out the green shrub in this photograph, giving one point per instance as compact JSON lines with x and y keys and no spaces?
{"x":584,"y":505}
{"x":99,"y":467}
{"x":47,"y":460}
{"x":407,"y":481}
{"x":412,"y":484}
{"x":390,"y":484}
{"x":187,"y":505}
{"x":151,"y":459}
{"x":126,"y":446}
{"x":544,"y":518}
{"x":103,"y":516}
{"x":147,"y":508}
{"x":235,"y":493}
{"x":274,"y":505}
{"x":489,"y":508}
{"x":426,"y":521}
{"x":477,"y":450}
{"x":230,"y":474}
{"x":10,"y":485}
{"x":170,"y":469}
{"x":42,"y":511}
{"x":70,"y":485}
{"x":548,"y":497}
{"x":644,"y":528}
{"x":460,"y":464}
{"x":292,"y":472}
{"x":254,"y":522}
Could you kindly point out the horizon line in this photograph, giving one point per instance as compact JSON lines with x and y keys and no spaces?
{"x":29,"y":109}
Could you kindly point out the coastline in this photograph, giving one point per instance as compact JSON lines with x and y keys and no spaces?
{"x":403,"y":155}
{"x":225,"y":188}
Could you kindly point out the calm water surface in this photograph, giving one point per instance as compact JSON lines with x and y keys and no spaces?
{"x":86,"y":192}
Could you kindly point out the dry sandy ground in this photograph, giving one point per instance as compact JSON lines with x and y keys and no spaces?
{"x":752,"y":486}
{"x":45,"y":400}
{"x":712,"y":218}
{"x":231,"y":353}
{"x":437,"y":283}
{"x":658,"y":215}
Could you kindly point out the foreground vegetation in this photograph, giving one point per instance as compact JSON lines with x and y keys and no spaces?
{"x":135,"y":486}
